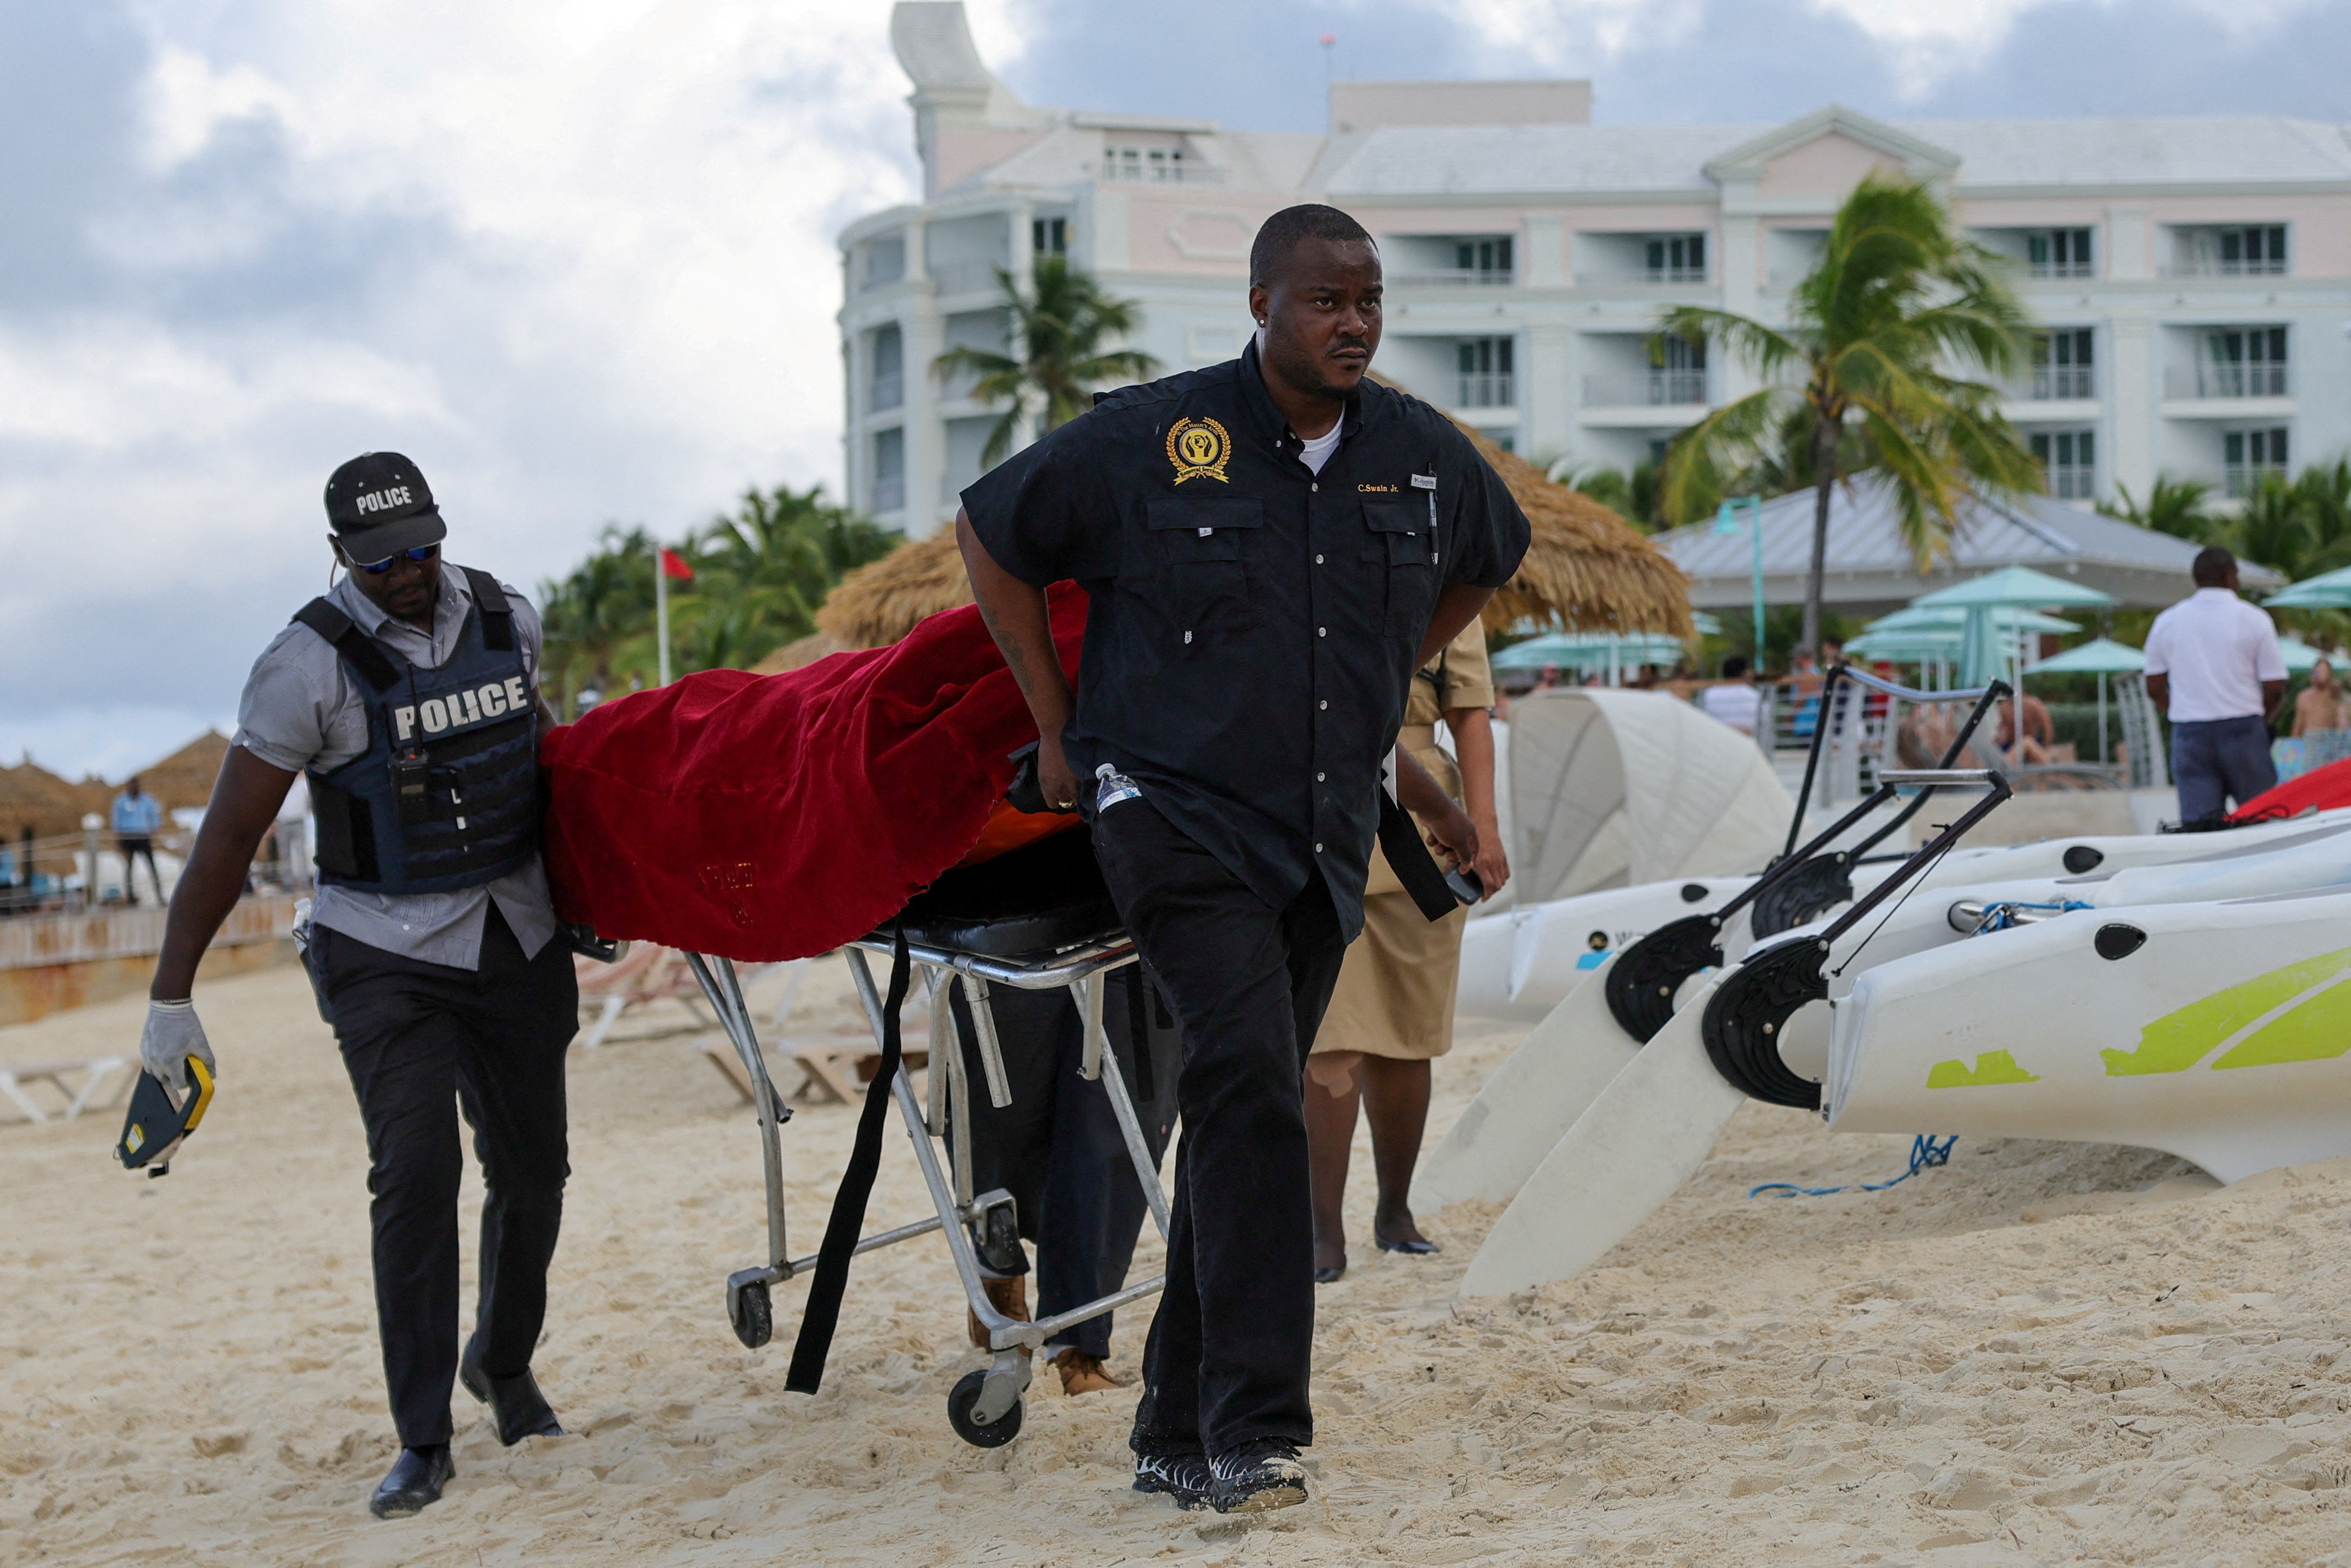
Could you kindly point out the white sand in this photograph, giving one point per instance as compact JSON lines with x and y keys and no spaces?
{"x":2043,"y":1354}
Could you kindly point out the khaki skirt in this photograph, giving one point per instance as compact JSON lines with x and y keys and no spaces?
{"x":1395,"y":996}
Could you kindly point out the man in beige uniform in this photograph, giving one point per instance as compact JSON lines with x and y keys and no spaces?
{"x":1392,"y":1010}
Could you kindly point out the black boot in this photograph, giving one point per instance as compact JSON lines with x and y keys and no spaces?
{"x":414,"y":1480}
{"x":520,"y":1410}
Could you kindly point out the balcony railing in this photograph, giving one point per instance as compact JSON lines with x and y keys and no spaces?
{"x":2226,"y":381}
{"x":1455,"y":277}
{"x":2073,"y":484}
{"x":888,"y":392}
{"x":889,"y":493}
{"x":2083,"y":268}
{"x":1490,"y":388}
{"x":1637,"y":389}
{"x":1143,"y":173}
{"x":2060,"y":383}
{"x":964,"y":277}
{"x":1674,"y":274}
{"x":2238,"y":480}
{"x":2223,"y":266}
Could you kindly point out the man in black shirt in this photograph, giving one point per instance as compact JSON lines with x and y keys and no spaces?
{"x":1270,"y":548}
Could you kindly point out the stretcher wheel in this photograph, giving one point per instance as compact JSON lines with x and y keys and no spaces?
{"x":754,"y":1318}
{"x":996,"y":1433}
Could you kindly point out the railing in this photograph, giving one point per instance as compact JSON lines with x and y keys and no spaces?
{"x":1455,"y":277}
{"x":2053,"y":384}
{"x":1637,"y":389}
{"x":2217,"y":266}
{"x":964,"y":277}
{"x":1673,"y":275}
{"x":2238,"y":480}
{"x":2064,"y":269}
{"x":1140,"y":173}
{"x":2210,"y":381}
{"x":1490,"y":388}
{"x":888,"y":391}
{"x":890,"y":494}
{"x":71,"y":873}
{"x":2078,"y":483}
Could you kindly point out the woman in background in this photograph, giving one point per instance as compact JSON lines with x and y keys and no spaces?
{"x":1392,"y":1011}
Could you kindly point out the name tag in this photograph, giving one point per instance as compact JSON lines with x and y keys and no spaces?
{"x":1424,"y":481}
{"x":1206,"y":532}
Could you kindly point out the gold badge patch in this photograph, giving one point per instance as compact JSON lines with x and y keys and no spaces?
{"x":1198,"y":447}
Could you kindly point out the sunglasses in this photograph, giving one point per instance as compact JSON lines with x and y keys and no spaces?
{"x":419,"y":554}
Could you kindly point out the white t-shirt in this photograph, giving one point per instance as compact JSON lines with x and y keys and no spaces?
{"x":2218,"y":650}
{"x":1734,"y":703}
{"x":1318,"y":451}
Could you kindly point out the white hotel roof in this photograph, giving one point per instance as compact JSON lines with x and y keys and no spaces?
{"x":2220,"y":150}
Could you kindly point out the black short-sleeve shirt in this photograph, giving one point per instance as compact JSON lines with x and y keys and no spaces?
{"x":1250,"y":640}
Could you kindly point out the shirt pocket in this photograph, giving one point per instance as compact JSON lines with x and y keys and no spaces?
{"x":1400,"y":539}
{"x":1203,"y":560}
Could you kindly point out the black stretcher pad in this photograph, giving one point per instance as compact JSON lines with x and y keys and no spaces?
{"x":1030,"y":902}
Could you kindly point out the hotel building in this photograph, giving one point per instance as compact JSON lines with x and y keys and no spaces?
{"x":2191,"y":277}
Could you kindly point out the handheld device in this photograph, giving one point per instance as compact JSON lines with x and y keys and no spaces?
{"x":1464,"y":884}
{"x":154,"y":1128}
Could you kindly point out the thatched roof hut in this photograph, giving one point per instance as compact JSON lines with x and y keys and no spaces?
{"x":1587,"y":568}
{"x":32,"y":796}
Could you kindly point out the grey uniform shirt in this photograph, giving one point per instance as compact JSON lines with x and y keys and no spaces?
{"x":301,"y":711}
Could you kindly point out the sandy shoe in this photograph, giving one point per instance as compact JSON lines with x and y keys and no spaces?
{"x":1258,"y":1478}
{"x":1186,"y":1477}
{"x":413,"y":1482}
{"x":517,"y":1407}
{"x":1080,"y":1373}
{"x":1008,"y":1296}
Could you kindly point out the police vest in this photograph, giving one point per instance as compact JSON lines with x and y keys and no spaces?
{"x":447,"y":794}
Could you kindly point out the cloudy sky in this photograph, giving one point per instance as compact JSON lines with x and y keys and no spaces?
{"x":575,"y":257}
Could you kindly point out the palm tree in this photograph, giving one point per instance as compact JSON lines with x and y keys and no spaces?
{"x":1897,"y":303}
{"x":2176,"y":507}
{"x":1058,"y":330}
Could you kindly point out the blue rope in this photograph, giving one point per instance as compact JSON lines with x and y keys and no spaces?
{"x":2001,"y":917}
{"x":1927,"y":1151}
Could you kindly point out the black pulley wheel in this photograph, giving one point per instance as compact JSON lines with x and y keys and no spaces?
{"x":1749,"y":1012}
{"x":1803,"y":896}
{"x":1643,"y":981}
{"x":960,"y":1400}
{"x":753,"y":1316}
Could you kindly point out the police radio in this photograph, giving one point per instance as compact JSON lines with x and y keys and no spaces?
{"x":412,"y":784}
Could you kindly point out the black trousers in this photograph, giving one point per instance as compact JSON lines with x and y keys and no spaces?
{"x":131,"y":850}
{"x":1232,"y":1342}
{"x":423,"y":1041}
{"x":1057,"y":1148}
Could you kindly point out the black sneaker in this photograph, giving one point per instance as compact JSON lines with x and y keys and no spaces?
{"x":1257,"y":1478}
{"x":1183,"y":1476}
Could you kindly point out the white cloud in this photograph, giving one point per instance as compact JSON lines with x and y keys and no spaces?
{"x":576,"y":257}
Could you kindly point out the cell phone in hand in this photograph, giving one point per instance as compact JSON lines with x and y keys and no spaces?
{"x":1465,"y":885}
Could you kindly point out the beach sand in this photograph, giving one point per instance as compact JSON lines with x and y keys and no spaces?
{"x":2041,"y":1353}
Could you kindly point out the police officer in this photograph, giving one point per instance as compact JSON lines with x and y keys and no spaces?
{"x":1270,"y":548}
{"x":408,"y":696}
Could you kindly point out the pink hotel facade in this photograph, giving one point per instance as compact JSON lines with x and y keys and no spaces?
{"x":2191,"y":277}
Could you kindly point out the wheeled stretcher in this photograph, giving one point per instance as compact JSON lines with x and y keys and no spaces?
{"x":1037,"y":919}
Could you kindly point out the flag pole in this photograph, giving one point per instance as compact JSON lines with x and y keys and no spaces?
{"x":660,"y":610}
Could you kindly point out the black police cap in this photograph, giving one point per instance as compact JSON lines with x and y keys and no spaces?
{"x":379,"y":504}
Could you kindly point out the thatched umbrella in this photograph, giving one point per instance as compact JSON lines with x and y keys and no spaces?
{"x":1587,"y":568}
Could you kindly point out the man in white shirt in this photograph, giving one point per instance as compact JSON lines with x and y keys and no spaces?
{"x":2212,"y":662}
{"x":1735,"y":702}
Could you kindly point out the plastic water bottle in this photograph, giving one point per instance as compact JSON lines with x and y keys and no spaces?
{"x":1116,"y":787}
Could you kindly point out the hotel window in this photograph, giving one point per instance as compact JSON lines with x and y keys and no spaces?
{"x":1485,"y":372}
{"x":885,"y":260}
{"x":2243,"y":362}
{"x":2248,"y":455}
{"x":1049,"y":236}
{"x":2059,"y":252}
{"x":2070,"y":460}
{"x":889,"y":470}
{"x":1155,"y":165}
{"x":888,"y":388}
{"x":2061,"y":366}
{"x":2236,"y":251}
{"x":1676,"y":258}
{"x":1490,"y":260}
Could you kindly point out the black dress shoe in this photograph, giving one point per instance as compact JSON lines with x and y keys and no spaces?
{"x":1409,"y":1248}
{"x":1330,"y":1276}
{"x":520,"y":1410}
{"x":413,"y":1482}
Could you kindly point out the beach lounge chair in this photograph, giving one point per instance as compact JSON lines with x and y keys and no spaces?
{"x":97,"y":1077}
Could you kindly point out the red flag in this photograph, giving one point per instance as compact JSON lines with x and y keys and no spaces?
{"x":674,"y":564}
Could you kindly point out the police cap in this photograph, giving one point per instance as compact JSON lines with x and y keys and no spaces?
{"x":379,"y":504}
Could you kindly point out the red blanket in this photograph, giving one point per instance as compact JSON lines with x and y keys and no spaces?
{"x":770,"y":817}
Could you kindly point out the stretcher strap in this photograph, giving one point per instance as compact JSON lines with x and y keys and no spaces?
{"x":848,"y":1221}
{"x":1409,"y":858}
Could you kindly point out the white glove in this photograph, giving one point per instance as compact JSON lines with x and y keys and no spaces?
{"x":173,"y":1033}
